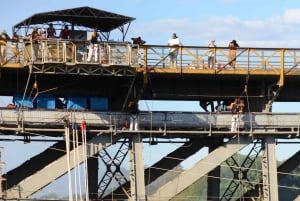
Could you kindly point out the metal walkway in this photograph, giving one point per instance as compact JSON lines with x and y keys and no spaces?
{"x":282,"y":125}
{"x":191,"y":59}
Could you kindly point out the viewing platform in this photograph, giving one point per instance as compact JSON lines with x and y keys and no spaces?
{"x":66,"y":55}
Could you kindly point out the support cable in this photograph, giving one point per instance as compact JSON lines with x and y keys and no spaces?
{"x":20,"y":109}
{"x":75,"y":159}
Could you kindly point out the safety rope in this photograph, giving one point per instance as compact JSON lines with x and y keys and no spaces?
{"x":75,"y":152}
{"x":67,"y":141}
{"x":84,"y":150}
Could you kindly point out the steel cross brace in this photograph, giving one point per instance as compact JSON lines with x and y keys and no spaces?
{"x":113,"y":167}
{"x":240,"y":172}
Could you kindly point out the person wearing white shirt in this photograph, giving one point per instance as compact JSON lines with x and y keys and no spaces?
{"x":211,"y":54}
{"x":173,"y":44}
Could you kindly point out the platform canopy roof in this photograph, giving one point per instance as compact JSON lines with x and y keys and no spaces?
{"x":82,"y":16}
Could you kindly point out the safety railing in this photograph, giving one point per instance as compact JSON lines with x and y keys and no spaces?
{"x":252,"y":59}
{"x":284,"y":123}
{"x":26,"y":52}
{"x":262,"y":60}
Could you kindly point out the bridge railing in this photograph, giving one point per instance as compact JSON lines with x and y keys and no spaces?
{"x":270,"y":60}
{"x":282,"y":123}
{"x":252,"y":59}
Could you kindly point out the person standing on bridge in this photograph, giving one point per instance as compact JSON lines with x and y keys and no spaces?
{"x":35,"y":38}
{"x":173,"y":44}
{"x":134,"y":111}
{"x":135,"y":55}
{"x":93,"y":47}
{"x":211,"y":55}
{"x":3,"y":46}
{"x":15,"y":46}
{"x":235,"y":109}
{"x":233,"y":46}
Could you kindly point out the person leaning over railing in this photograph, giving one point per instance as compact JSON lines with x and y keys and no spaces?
{"x":3,"y":46}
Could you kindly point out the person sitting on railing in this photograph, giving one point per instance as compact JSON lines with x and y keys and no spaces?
{"x":93,"y":47}
{"x":3,"y":46}
{"x":173,"y":44}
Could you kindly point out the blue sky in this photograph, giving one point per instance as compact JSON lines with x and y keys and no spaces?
{"x":253,"y":23}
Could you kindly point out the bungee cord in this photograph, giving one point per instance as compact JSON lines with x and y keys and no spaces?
{"x":78,"y":170}
{"x":75,"y":157}
{"x":84,"y":150}
{"x":67,"y":141}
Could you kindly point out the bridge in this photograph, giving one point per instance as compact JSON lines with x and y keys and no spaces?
{"x":93,"y":119}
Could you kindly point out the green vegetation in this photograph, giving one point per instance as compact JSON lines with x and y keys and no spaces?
{"x":289,"y":186}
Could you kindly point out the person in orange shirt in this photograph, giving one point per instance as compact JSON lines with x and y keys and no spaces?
{"x":233,"y":45}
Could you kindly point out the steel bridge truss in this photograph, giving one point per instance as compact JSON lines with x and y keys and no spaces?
{"x":113,"y":168}
{"x":81,"y":69}
{"x":240,"y":172}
